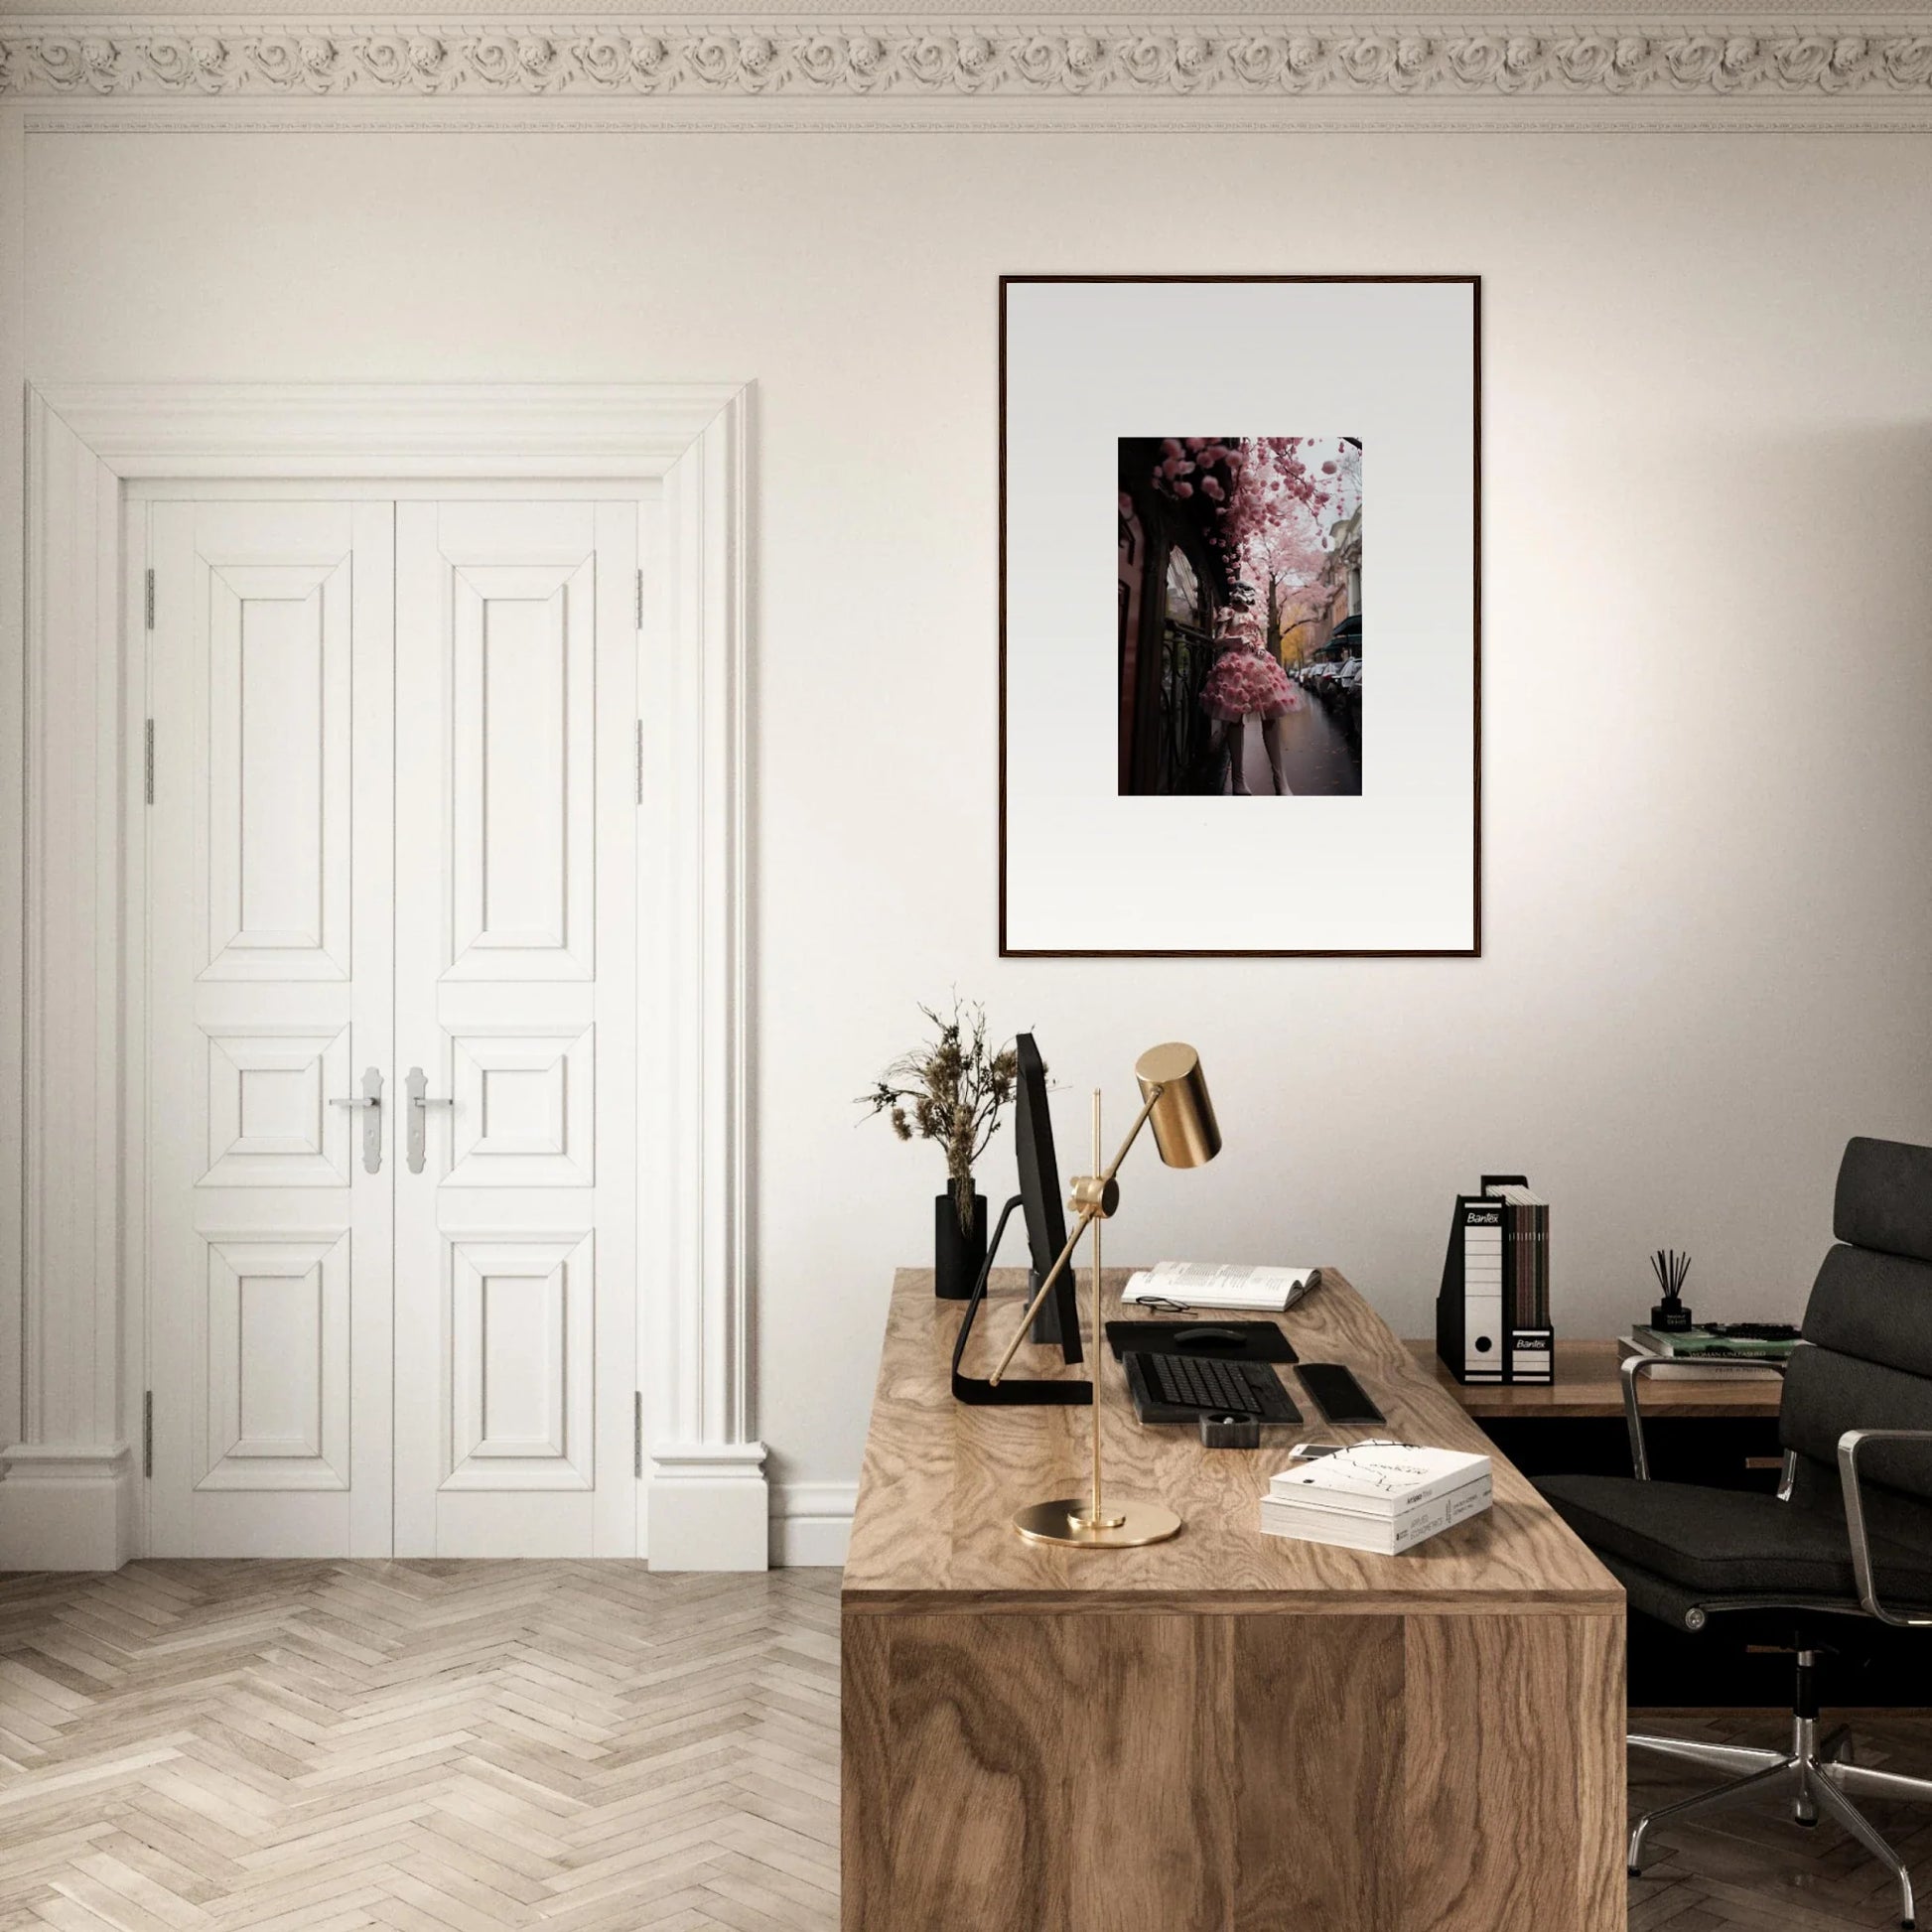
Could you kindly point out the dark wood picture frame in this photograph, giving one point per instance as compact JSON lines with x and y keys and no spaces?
{"x":1474,"y":949}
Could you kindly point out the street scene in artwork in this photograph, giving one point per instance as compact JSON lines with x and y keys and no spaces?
{"x":1240,"y":614}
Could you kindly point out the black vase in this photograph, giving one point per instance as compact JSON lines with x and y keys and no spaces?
{"x":957,"y":1257}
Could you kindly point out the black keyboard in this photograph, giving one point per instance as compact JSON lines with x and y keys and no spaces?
{"x":1204,"y":1386}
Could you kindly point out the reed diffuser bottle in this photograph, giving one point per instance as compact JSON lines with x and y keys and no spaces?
{"x":1670,"y":1316}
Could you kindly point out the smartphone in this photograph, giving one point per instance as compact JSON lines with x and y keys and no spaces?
{"x":1336,"y":1393}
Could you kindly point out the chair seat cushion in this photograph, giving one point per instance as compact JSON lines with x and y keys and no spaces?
{"x":1728,"y":1542}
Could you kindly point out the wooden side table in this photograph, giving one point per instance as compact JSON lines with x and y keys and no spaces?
{"x":1588,"y":1386}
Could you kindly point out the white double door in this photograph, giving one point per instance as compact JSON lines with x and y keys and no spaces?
{"x":392,"y":860}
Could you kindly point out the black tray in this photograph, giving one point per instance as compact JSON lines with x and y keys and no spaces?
{"x":1224,"y":1341}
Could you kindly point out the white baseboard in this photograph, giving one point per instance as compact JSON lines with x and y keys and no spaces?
{"x":709,"y":1508}
{"x":67,"y":1506}
{"x":74,"y":1509}
{"x":811,"y":1523}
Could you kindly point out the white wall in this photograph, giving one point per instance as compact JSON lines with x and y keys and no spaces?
{"x":1707,"y":442}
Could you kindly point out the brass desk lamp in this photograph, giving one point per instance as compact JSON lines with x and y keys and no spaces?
{"x":1174,"y":1102}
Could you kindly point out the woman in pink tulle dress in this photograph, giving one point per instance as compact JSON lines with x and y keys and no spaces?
{"x":1246,"y":678}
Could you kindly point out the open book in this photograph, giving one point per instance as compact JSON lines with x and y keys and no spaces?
{"x":1213,"y":1285}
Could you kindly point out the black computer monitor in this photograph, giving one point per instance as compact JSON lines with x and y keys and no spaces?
{"x":1039,"y":1197}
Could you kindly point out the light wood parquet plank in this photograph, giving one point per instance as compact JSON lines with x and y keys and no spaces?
{"x":288,"y":1746}
{"x":284,"y":1747}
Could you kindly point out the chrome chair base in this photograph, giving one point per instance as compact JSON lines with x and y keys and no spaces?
{"x":1819,"y":1774}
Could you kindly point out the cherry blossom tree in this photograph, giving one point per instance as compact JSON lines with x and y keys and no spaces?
{"x":1269,"y":505}
{"x":1283,"y":567}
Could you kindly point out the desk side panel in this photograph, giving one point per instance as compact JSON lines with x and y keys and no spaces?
{"x":956,"y":1813}
{"x":1514,"y":1773}
{"x":1318,"y":1728}
{"x":865,"y":1772}
{"x":1113,"y":1772}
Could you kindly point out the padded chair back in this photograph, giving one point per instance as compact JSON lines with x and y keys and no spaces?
{"x":1869,"y":1326}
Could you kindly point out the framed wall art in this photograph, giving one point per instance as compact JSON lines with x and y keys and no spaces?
{"x":1271,"y":742}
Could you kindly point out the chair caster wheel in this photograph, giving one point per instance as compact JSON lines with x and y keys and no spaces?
{"x":1810,"y":1823}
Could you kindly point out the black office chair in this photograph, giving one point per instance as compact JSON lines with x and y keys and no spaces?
{"x":1848,"y":1535}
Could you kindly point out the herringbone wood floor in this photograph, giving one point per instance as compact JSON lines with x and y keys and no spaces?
{"x":1756,"y":1868}
{"x":456,"y":1747}
{"x":316,"y":1747}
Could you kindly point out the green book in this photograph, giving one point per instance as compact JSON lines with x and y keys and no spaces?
{"x":1701,"y":1341}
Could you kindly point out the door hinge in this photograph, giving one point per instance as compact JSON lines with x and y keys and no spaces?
{"x":640,"y":761}
{"x":637,"y":1433}
{"x":640,"y":600}
{"x":147,"y":1433}
{"x":147,"y":761}
{"x":150,"y":599}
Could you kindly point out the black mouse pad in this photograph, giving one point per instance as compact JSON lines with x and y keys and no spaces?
{"x":1221,"y":1341}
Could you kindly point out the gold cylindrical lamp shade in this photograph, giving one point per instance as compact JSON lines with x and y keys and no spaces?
{"x":1183,"y":1118}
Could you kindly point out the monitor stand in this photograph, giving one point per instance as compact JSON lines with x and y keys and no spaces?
{"x":1014,"y":1391}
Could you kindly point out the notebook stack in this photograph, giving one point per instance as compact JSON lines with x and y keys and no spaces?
{"x":1384,"y":1498}
{"x":1526,"y":1254}
{"x":1704,"y":1353}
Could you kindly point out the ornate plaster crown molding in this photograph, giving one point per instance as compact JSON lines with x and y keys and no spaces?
{"x":1572,"y":63}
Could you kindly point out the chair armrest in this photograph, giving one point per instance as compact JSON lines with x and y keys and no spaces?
{"x":1634,"y":1367}
{"x":1848,"y":1446}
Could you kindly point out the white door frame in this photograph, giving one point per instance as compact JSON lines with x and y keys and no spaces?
{"x":68,"y":1499}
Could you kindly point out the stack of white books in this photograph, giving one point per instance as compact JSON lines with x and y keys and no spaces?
{"x":1217,"y":1285}
{"x":1381,"y":1496}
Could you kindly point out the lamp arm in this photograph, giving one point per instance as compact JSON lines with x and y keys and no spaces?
{"x":1134,"y":1133}
{"x":1088,"y":1215}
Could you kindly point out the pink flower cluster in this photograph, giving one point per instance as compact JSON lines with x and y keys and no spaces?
{"x":1267,"y":493}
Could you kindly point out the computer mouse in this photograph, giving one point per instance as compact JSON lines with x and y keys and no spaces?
{"x":1208,"y":1337}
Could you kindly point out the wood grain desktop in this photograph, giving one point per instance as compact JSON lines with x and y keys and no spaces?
{"x":1227,"y":1730}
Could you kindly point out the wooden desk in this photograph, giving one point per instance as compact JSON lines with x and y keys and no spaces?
{"x":1588,"y":1386}
{"x":1228,"y":1730}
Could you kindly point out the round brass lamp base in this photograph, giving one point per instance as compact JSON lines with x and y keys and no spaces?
{"x":1129,"y":1525}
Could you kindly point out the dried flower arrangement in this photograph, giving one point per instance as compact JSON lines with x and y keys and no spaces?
{"x":951,"y":1090}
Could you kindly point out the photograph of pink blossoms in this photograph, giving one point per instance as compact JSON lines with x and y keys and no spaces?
{"x":1240,"y":615}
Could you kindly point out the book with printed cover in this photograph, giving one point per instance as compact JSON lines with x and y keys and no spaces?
{"x":1377,"y":1496}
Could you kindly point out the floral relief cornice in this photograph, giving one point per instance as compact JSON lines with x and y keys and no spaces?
{"x":1127,"y":59}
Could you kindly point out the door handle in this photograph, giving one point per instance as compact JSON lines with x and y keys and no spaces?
{"x":370,"y":1099}
{"x":420,"y":1103}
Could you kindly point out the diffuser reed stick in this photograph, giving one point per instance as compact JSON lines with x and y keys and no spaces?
{"x":1670,"y":1266}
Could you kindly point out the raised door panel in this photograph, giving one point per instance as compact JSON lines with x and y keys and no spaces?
{"x":278,"y":772}
{"x":270,"y":681}
{"x":514,"y":980}
{"x":274,"y":1400}
{"x":522,"y":1325}
{"x":270,"y":1118}
{"x":523,"y":843}
{"x":524,"y":1108}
